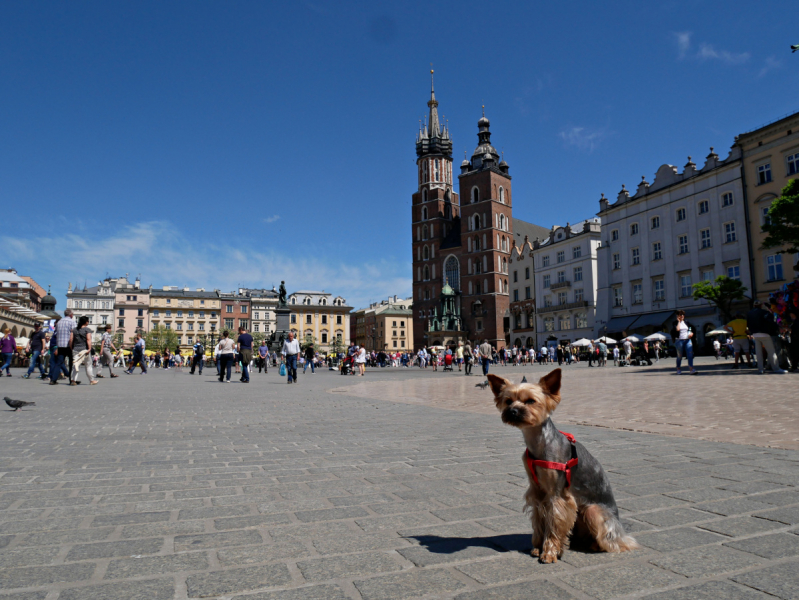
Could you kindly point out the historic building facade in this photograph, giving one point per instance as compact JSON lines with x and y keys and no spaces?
{"x":681,"y":229}
{"x":193,"y":314}
{"x":131,"y":309}
{"x":320,"y":316}
{"x":263,"y":303}
{"x":384,"y":325}
{"x":770,"y":161}
{"x":21,"y":290}
{"x":96,"y":302}
{"x":463,"y":245}
{"x":235,"y":312}
{"x":521,"y":311}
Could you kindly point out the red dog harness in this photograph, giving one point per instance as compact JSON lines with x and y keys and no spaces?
{"x":566,"y":467}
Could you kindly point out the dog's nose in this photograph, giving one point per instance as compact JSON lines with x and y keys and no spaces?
{"x":514,"y":412}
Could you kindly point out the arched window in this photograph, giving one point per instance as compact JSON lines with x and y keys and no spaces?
{"x":294,"y":301}
{"x":502,"y":195}
{"x":475,"y":195}
{"x":437,"y":171}
{"x":424,"y":195}
{"x":323,"y":302}
{"x":476,"y":244}
{"x":424,"y":172}
{"x":504,"y":265}
{"x":447,"y":211}
{"x":452,"y":273}
{"x":424,"y":232}
{"x":424,"y":208}
{"x":504,"y":244}
{"x":426,"y":253}
{"x":477,"y":222}
{"x":426,"y":273}
{"x":502,"y":222}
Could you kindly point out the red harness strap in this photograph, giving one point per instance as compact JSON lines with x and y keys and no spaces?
{"x":566,"y":467}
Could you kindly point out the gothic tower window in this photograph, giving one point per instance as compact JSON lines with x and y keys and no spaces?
{"x":425,"y":252}
{"x":424,"y":171}
{"x":424,"y":232}
{"x":452,"y":273}
{"x":424,"y":195}
{"x":502,"y":222}
{"x":424,"y":209}
{"x":426,"y":273}
{"x":477,"y":222}
{"x":437,"y":172}
{"x":476,"y":244}
{"x":502,"y":195}
{"x":475,"y":195}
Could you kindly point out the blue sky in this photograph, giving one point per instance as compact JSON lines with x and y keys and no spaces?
{"x":219,"y":144}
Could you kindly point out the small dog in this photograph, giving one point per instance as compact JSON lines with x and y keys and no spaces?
{"x":569,"y":493}
{"x":483,"y":385}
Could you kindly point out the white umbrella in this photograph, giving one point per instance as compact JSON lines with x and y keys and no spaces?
{"x":22,"y":342}
{"x":607,"y":340}
{"x":634,"y":338}
{"x":656,"y":337}
{"x":582,"y":342}
{"x":718,"y":332}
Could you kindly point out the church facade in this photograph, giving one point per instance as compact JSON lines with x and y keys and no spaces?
{"x":461,"y":241}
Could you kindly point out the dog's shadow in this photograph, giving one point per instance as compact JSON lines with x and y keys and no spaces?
{"x":520,"y":543}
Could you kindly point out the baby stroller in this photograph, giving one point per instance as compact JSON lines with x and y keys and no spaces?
{"x":347,"y":365}
{"x":448,"y":362}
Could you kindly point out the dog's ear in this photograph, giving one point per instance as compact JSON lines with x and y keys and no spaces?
{"x":551,"y":383}
{"x":497,"y":383}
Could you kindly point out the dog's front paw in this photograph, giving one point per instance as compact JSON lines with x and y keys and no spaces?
{"x":549,"y":557}
{"x":535,"y":552}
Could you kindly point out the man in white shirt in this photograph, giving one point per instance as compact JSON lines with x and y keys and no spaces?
{"x":485,"y":355}
{"x":290,"y":352}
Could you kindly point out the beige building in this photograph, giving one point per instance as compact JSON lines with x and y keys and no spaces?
{"x":131,"y":309}
{"x":193,"y":314}
{"x":263,"y":304}
{"x":320,"y":316}
{"x":385,"y":325}
{"x":770,"y":161}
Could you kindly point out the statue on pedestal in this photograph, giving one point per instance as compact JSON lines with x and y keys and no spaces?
{"x":281,"y":298}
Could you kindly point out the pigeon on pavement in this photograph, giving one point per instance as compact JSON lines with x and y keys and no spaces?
{"x":17,"y":404}
{"x":524,"y":379}
{"x":483,"y":385}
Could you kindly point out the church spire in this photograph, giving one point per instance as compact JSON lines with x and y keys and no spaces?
{"x":435,"y":129}
{"x":433,"y":139}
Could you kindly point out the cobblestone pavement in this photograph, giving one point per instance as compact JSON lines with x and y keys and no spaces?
{"x":172,"y":486}
{"x":719,"y":404}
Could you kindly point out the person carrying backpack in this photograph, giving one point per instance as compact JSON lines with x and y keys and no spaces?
{"x":199,"y":356}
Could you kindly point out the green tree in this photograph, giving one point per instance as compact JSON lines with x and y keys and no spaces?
{"x":783,"y":228}
{"x":336,"y":346}
{"x":723,"y":292}
{"x":257,"y":338}
{"x":160,"y":338}
{"x":309,"y":340}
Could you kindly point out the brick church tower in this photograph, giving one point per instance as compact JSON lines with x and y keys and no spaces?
{"x":487,"y":236}
{"x":435,"y":223}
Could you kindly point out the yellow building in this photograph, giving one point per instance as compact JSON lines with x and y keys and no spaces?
{"x":192,"y":314}
{"x":320,"y":316}
{"x":385,"y":325}
{"x":770,"y":161}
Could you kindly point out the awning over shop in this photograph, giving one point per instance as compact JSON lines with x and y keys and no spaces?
{"x":620,"y":323}
{"x":653,"y":319}
{"x":700,"y":311}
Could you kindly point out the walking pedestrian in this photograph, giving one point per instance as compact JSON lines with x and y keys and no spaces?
{"x":244,"y":346}
{"x":138,"y":357}
{"x":263,"y":352}
{"x":682,"y":335}
{"x":485,"y":355}
{"x":37,"y":347}
{"x":290,"y":352}
{"x":226,"y":349}
{"x":106,"y":356}
{"x":360,"y":360}
{"x":8,"y":348}
{"x":198,"y":358}
{"x":468,"y":358}
{"x":309,"y":358}
{"x":63,"y":351}
{"x":81,"y":352}
{"x":762,"y":326}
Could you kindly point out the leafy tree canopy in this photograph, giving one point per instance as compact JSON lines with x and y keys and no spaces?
{"x":784,"y":216}
{"x":723,"y":292}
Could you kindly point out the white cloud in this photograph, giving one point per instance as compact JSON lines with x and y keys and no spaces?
{"x":683,"y":39}
{"x":708,"y":52}
{"x":271,"y":219}
{"x":770,"y":65}
{"x":583,"y":138}
{"x":165,"y":257}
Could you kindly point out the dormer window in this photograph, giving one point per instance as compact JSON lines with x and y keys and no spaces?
{"x":294,"y":301}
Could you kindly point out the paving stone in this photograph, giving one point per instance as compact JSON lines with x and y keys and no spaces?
{"x":111,"y":549}
{"x":702,"y":494}
{"x":213,"y":512}
{"x":451,"y":550}
{"x":5,"y":540}
{"x":37,"y":555}
{"x":778,"y":545}
{"x":735,"y":506}
{"x":752,"y":487}
{"x":440,"y":533}
{"x":157,"y":565}
{"x":38,"y":576}
{"x":157,"y":589}
{"x":396,"y":508}
{"x":219,"y":583}
{"x":619,"y":580}
{"x":250,"y":521}
{"x":781,"y":581}
{"x":645,"y":503}
{"x":247,"y":555}
{"x":674,"y":516}
{"x":581,"y":558}
{"x":350,"y":565}
{"x":315,"y":592}
{"x":312,"y":531}
{"x":25,"y":596}
{"x":69,"y":536}
{"x":520,"y":523}
{"x":538,"y":590}
{"x":217,"y":540}
{"x":129,"y":519}
{"x":331,"y":514}
{"x":677,"y":539}
{"x":162,"y":529}
{"x":32,"y":525}
{"x":359,"y":543}
{"x":412,"y":584}
{"x":706,"y":561}
{"x":510,"y":567}
{"x":712,"y":590}
{"x":788,"y":515}
{"x":359,"y":500}
{"x":781,"y":498}
{"x":393,"y":523}
{"x":468,"y":513}
{"x":740,"y":526}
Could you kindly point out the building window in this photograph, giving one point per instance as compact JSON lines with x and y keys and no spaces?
{"x":681,"y":214}
{"x":308,"y":320}
{"x":793,"y":164}
{"x":657,"y":253}
{"x":168,"y":325}
{"x":475,"y":195}
{"x":547,"y":301}
{"x":202,"y":326}
{"x":683,"y":243}
{"x":577,"y":252}
{"x":704,"y":238}
{"x":708,"y":275}
{"x":527,"y":293}
{"x":638,"y":293}
{"x":168,"y":313}
{"x":561,"y":256}
{"x":564,"y":322}
{"x":202,"y":302}
{"x":190,"y":326}
{"x":726,"y":199}
{"x":338,"y":319}
{"x":581,"y":321}
{"x":578,"y":295}
{"x":704,"y":207}
{"x":562,"y":298}
{"x":774,"y":263}
{"x":515,"y":295}
{"x":546,"y":281}
{"x":180,"y":313}
{"x":121,"y":323}
{"x":545,"y":260}
{"x":121,"y":312}
{"x":324,"y":338}
{"x":527,"y":272}
{"x":617,"y":297}
{"x":244,"y":309}
{"x":561,"y":276}
{"x":256,"y":327}
{"x":515,"y":276}
{"x":228,"y":323}
{"x":578,"y":273}
{"x":502,"y":195}
{"x":634,"y":229}
{"x":764,"y":174}
{"x":617,"y":261}
{"x":179,"y":327}
{"x":229,"y":308}
{"x":729,"y":232}
{"x":324,"y":319}
{"x":104,"y":319}
{"x":734,"y":272}
{"x":660,"y":289}
{"x":293,"y":318}
{"x":614,"y":235}
{"x":549,"y":324}
{"x":685,"y":286}
{"x":655,"y":222}
{"x":169,"y":301}
{"x":636,"y":253}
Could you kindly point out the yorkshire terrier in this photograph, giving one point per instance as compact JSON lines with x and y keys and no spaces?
{"x":569,"y":495}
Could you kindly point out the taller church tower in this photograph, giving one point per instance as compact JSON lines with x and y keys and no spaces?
{"x":436,"y":227}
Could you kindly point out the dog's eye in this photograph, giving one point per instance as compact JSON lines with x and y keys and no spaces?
{"x":531,"y":401}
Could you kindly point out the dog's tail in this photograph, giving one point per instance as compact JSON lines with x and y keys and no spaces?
{"x":606,"y":530}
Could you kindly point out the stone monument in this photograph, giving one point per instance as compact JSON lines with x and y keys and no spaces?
{"x":282,"y":318}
